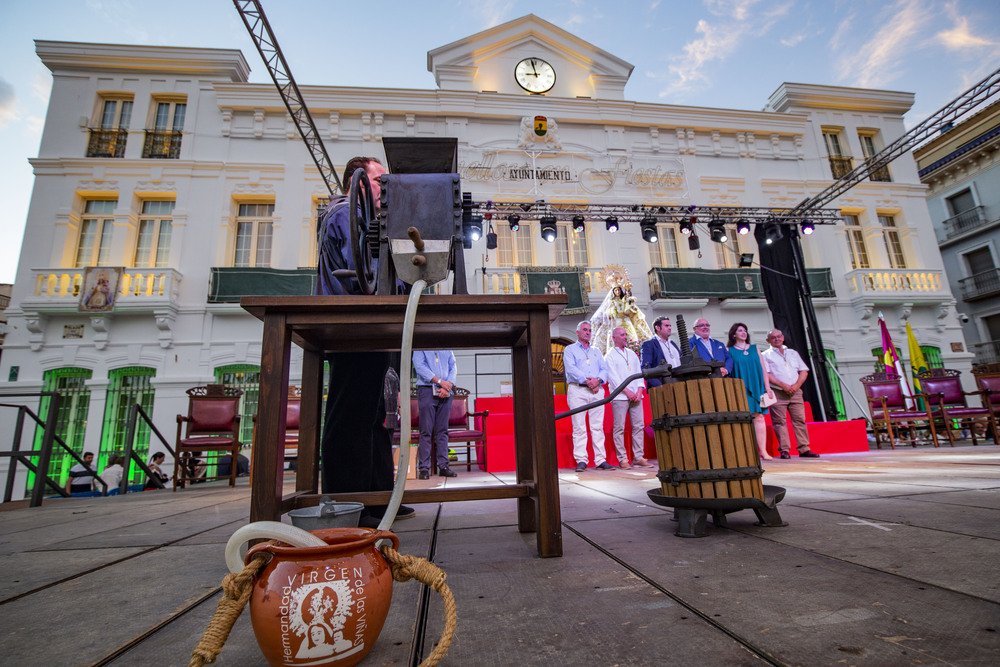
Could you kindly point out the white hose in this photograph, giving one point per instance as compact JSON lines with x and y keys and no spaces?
{"x":406,"y":354}
{"x":266,"y":530}
{"x":296,"y":537}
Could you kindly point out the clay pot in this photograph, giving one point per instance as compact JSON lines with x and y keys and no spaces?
{"x":322,"y":606}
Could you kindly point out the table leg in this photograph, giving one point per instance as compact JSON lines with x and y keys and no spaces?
{"x":307,"y":475}
{"x":268,"y":456}
{"x":524,"y":459}
{"x":536,"y":436}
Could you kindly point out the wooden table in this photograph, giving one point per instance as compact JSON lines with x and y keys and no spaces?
{"x":322,"y":324}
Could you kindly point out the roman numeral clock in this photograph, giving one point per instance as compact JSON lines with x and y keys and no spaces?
{"x":535,"y":75}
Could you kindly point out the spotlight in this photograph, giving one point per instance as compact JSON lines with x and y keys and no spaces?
{"x":808,"y":227}
{"x":743,"y":227}
{"x":648,"y":227}
{"x":772,"y":233}
{"x":548,"y":227}
{"x":474,"y":228}
{"x":717,"y":229}
{"x":687,"y":226}
{"x":578,"y":224}
{"x":746,"y":260}
{"x":693,"y":242}
{"x":514,"y":220}
{"x":611,"y":224}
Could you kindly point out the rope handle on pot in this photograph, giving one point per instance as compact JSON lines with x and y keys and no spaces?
{"x":236,"y":590}
{"x":405,"y":568}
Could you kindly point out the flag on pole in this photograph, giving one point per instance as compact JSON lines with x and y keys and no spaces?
{"x":892,"y":362}
{"x":917,"y":363}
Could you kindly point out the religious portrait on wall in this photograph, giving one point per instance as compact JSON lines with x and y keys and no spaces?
{"x":100,"y":289}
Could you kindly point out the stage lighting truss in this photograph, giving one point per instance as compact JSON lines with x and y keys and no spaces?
{"x":648,"y":228}
{"x":547,"y":227}
{"x":514,"y":220}
{"x":717,"y":230}
{"x":685,"y":217}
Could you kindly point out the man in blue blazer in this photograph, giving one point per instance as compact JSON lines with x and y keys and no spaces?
{"x":658,"y":349}
{"x":710,"y":349}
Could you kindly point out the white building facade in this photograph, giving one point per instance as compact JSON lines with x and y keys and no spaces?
{"x":164,"y":161}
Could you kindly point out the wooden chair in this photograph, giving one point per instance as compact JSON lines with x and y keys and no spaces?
{"x":948,"y":403}
{"x":213,"y":426}
{"x":291,"y":429}
{"x":459,"y":428}
{"x":890,"y":413}
{"x":988,"y":381}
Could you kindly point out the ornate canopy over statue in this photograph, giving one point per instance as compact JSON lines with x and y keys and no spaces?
{"x":618,"y":310}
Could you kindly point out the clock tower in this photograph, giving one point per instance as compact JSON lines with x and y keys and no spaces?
{"x":532,"y":57}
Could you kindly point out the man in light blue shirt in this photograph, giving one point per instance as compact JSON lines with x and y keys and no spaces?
{"x":436,"y":371}
{"x":585,"y":373}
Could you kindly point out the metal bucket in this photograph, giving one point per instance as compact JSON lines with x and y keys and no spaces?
{"x":328,"y":514}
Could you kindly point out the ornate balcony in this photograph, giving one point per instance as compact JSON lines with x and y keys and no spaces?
{"x":107,"y":143}
{"x":152,"y":292}
{"x":840,"y":166}
{"x":981,"y":285}
{"x":966,"y":221}
{"x":724,"y":283}
{"x":896,"y":282}
{"x":508,"y":281}
{"x":162,"y":144}
{"x":58,"y":290}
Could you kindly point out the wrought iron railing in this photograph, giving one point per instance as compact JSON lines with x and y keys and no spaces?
{"x":981,"y":285}
{"x":986,"y":353}
{"x":880,"y":175}
{"x":162,"y":144}
{"x":840,"y":166}
{"x":966,"y":221}
{"x":107,"y":143}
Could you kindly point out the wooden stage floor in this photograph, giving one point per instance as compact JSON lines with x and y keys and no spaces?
{"x":889,"y":558}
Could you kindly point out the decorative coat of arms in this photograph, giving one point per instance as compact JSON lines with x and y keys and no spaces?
{"x":530,"y":139}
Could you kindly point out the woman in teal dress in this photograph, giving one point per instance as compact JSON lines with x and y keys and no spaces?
{"x":749,"y":367}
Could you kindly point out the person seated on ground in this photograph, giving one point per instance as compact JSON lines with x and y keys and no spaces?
{"x":81,"y":476}
{"x":112,"y":474}
{"x":155,"y":461}
{"x":242,"y":466}
{"x":193,"y":469}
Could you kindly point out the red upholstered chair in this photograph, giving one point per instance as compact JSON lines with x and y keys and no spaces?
{"x":291,"y":428}
{"x":948,"y":405}
{"x":889,"y":412}
{"x":213,"y":428}
{"x":463,"y":434}
{"x":988,"y":382}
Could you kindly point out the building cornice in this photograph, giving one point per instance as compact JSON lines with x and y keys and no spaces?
{"x":205,"y":63}
{"x":811,"y":96}
{"x":324,"y":99}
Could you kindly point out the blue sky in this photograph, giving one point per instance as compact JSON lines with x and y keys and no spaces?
{"x":715,"y":53}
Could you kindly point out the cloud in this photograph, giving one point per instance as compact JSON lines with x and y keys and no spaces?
{"x":960,"y":38}
{"x":878,"y":61}
{"x":793,"y":40}
{"x":718,"y":41}
{"x":8,"y":103}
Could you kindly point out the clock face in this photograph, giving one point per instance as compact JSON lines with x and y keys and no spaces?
{"x":535,"y":75}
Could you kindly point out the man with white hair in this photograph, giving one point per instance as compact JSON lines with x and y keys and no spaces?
{"x":622,"y":362}
{"x":585,"y":373}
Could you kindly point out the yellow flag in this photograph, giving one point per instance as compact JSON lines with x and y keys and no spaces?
{"x":917,"y":361}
